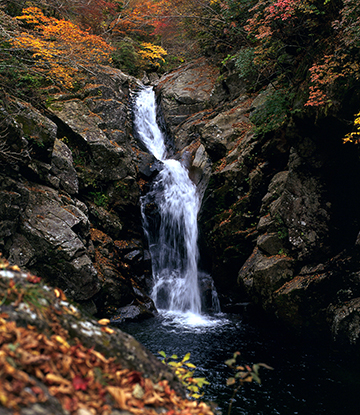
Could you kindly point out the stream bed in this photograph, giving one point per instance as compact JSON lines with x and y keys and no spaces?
{"x":306,"y":380}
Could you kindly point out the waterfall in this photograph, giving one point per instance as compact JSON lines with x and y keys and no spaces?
{"x":173,"y":232}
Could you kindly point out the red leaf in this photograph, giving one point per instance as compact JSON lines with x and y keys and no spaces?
{"x":80,"y":383}
{"x":135,"y":377}
{"x":33,"y":279}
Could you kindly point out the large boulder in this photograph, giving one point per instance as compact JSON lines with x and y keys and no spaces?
{"x":52,"y":238}
{"x":186,"y":90}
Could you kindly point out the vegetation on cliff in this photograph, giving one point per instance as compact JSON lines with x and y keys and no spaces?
{"x":308,"y":50}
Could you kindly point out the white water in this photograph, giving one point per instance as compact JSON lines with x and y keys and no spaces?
{"x":173,"y":238}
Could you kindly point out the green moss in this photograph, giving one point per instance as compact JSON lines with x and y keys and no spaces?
{"x":100,"y":199}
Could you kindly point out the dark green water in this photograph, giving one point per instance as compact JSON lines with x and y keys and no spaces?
{"x":307,"y":379}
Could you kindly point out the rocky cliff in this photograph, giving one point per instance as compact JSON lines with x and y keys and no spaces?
{"x":280,"y":214}
{"x":69,"y":195}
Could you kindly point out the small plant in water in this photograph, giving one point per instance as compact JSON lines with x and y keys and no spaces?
{"x":242,"y":374}
{"x":184,"y":370}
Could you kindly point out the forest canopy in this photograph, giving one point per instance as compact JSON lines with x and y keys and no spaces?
{"x":306,"y":47}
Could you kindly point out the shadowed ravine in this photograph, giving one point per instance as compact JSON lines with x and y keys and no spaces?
{"x":306,"y":379}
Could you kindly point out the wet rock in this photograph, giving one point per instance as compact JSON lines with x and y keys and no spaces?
{"x":276,"y":188}
{"x":22,"y":252}
{"x":262,"y":275}
{"x":50,"y":224}
{"x":148,"y":165}
{"x":269,"y":243}
{"x":12,"y":204}
{"x":131,"y":313}
{"x":112,"y":160}
{"x":39,"y":130}
{"x":219,"y":134}
{"x":63,"y":169}
{"x":345,"y":320}
{"x":109,"y":222}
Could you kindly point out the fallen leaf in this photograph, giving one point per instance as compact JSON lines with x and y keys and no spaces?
{"x":62,"y":341}
{"x":80,"y":383}
{"x":119,"y":395}
{"x":107,"y":330}
{"x":138,"y":392}
{"x":104,"y":321}
{"x":60,"y":294}
{"x":52,"y":378}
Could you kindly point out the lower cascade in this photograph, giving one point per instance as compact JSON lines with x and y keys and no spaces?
{"x":173,"y":232}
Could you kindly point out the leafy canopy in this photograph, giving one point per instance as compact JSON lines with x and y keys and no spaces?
{"x":58,"y":47}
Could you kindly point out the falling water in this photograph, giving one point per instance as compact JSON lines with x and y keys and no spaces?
{"x":173,"y":236}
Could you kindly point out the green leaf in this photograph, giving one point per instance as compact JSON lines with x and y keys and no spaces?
{"x":13,"y":347}
{"x":163,"y":354}
{"x":230,"y":362}
{"x":174,"y":356}
{"x":188,"y":364}
{"x":255,"y":368}
{"x":256,"y":378}
{"x":201,"y":382}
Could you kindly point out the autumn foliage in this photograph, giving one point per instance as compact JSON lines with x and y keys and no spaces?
{"x":310,"y":47}
{"x":59,"y":48}
{"x":36,"y":365}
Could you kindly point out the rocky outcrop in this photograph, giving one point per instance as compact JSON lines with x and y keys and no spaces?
{"x":69,"y":194}
{"x":279,"y":221}
{"x":186,"y":91}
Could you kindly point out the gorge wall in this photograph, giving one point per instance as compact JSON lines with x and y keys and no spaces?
{"x":280,"y":215}
{"x":279,"y":220}
{"x":69,"y":195}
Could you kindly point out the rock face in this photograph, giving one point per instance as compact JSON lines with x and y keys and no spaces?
{"x":279,"y":219}
{"x":186,"y":91}
{"x":69,"y":195}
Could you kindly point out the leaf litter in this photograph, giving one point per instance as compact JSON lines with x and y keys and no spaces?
{"x":36,"y":365}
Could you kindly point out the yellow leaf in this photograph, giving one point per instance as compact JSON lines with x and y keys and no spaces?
{"x":3,"y":399}
{"x":62,"y":341}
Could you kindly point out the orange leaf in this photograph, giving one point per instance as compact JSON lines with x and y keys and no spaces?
{"x":119,"y":395}
{"x":52,"y":378}
{"x":107,"y":330}
{"x":104,"y":321}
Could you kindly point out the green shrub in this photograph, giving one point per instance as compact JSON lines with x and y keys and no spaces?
{"x":126,"y":58}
